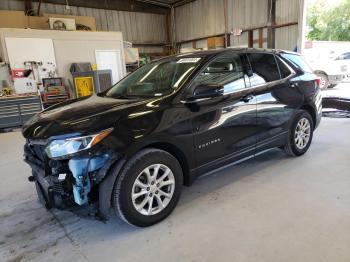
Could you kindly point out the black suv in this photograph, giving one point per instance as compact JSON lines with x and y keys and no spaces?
{"x":132,"y":147}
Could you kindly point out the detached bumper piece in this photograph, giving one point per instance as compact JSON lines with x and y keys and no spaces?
{"x":70,"y":183}
{"x":80,"y":169}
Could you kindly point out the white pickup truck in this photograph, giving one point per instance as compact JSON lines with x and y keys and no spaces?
{"x":333,"y":71}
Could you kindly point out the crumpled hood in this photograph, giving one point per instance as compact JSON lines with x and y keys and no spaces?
{"x":80,"y":116}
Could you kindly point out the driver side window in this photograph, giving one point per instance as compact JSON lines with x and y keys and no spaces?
{"x":225,"y":70}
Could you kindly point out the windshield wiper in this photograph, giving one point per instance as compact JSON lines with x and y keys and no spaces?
{"x":123,"y":97}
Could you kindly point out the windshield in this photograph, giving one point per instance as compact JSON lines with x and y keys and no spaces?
{"x":154,"y":79}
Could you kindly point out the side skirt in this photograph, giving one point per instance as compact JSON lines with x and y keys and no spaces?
{"x":236,"y":158}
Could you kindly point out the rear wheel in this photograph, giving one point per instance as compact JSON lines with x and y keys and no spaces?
{"x":148,"y":188}
{"x":324,"y":82}
{"x":300,"y":134}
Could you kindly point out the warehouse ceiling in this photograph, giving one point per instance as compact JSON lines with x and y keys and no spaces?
{"x":146,"y":6}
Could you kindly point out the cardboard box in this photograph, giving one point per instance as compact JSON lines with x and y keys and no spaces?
{"x":83,"y":20}
{"x":216,"y":42}
{"x":17,"y":19}
{"x":38,"y":22}
{"x":12,"y":19}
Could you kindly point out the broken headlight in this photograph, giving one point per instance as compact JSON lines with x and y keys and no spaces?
{"x":64,"y":147}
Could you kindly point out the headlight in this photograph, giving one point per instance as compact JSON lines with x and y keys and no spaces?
{"x":59,"y":148}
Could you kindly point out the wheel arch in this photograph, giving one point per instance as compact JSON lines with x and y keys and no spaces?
{"x":107,"y":184}
{"x":320,"y":72}
{"x":178,"y":154}
{"x":312,"y":112}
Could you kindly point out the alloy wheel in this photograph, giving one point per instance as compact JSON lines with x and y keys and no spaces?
{"x":302,"y":133}
{"x":153,"y":189}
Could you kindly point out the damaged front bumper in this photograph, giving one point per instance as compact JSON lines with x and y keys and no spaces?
{"x":71,"y":183}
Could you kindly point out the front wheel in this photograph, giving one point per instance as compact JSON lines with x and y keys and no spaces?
{"x":300,"y":134}
{"x":148,"y":188}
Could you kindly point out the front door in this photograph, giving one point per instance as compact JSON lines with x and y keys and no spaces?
{"x":224,"y":126}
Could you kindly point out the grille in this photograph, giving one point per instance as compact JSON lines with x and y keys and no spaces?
{"x":37,"y":148}
{"x":57,"y":187}
{"x":35,"y":153}
{"x":39,"y":151}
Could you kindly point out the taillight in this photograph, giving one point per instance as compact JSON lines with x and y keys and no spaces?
{"x":318,"y":81}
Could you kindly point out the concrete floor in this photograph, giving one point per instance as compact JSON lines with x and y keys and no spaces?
{"x":340,"y":90}
{"x":272,"y":208}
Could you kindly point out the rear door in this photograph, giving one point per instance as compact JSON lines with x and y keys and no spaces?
{"x":276,"y":98}
{"x":224,"y":127}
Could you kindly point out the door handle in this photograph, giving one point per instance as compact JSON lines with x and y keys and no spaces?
{"x":247,"y":98}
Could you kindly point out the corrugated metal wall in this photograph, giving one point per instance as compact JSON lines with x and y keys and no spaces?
{"x":200,"y":18}
{"x":286,"y":37}
{"x":246,"y":14}
{"x":136,"y":27}
{"x":204,"y":18}
{"x":287,"y":11}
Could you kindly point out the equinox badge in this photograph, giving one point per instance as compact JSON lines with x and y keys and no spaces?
{"x":217,"y":140}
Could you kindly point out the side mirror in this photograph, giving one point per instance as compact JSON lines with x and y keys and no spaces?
{"x":207,"y":91}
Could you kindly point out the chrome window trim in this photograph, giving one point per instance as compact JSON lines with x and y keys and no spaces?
{"x":279,"y":81}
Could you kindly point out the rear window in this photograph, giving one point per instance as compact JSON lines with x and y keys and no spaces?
{"x":298,"y":61}
{"x":264,"y":68}
{"x":284,"y":70}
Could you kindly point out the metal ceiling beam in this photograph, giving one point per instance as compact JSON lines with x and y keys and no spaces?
{"x":120,"y":5}
{"x":154,"y":2}
{"x":182,"y":2}
{"x":168,"y":5}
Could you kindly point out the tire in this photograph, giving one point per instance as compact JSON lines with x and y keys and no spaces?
{"x":331,"y":86}
{"x":150,"y":191}
{"x":292,"y":147}
{"x":324,"y":81}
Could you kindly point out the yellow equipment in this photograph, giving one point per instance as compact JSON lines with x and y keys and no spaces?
{"x":84,"y":86}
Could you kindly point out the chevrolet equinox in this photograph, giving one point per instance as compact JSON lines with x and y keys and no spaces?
{"x":131,"y":148}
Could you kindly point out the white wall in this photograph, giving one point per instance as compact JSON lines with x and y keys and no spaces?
{"x":69,"y":46}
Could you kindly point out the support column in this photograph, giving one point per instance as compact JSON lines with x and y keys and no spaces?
{"x":271,"y":9}
{"x":301,"y":25}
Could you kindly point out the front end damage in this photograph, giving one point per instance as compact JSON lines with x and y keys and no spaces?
{"x":79,"y":183}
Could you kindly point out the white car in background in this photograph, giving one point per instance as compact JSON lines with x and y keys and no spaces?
{"x":332,"y":72}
